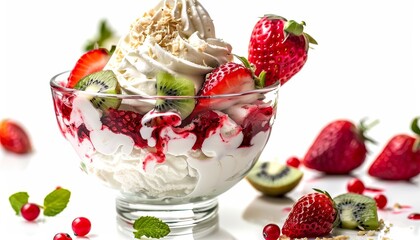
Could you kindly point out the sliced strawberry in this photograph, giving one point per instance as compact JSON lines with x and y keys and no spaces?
{"x":14,"y":138}
{"x":90,"y":62}
{"x":125,"y":122}
{"x":228,"y":78}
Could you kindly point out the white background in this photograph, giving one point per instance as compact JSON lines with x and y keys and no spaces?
{"x":366,"y":65}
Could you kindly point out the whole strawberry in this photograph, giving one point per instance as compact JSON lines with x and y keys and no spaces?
{"x":400,"y":158}
{"x":279,"y":47}
{"x":14,"y":138}
{"x":313,"y":215}
{"x":339,"y":148}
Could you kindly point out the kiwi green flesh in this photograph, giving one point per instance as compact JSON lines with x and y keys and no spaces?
{"x":357,"y":211}
{"x":101,"y":82}
{"x":273,"y":178}
{"x":169,"y":85}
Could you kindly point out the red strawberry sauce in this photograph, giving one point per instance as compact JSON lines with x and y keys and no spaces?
{"x":414,"y":216}
{"x":374,"y":190}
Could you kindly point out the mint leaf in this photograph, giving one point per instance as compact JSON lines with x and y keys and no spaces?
{"x":150,"y":227}
{"x":104,"y":34}
{"x":56,"y":201}
{"x":17,"y":201}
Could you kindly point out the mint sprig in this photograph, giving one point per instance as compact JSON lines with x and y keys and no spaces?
{"x":17,"y":201}
{"x":150,"y":227}
{"x":105,"y":33}
{"x":54,"y":203}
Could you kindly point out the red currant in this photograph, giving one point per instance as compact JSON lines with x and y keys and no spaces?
{"x":271,"y":232}
{"x":293,"y":162}
{"x":355,"y":185}
{"x":62,"y":236}
{"x":30,"y":211}
{"x":81,"y":226}
{"x":380,"y":200}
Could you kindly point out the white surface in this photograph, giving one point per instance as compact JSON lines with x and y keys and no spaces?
{"x":364,"y":66}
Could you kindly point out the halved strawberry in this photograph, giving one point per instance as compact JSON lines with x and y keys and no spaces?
{"x":228,"y":78}
{"x":90,"y":62}
{"x":14,"y":138}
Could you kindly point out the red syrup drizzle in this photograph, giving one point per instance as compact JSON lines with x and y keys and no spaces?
{"x":287,"y":209}
{"x":374,"y":190}
{"x":414,"y":216}
{"x":400,"y":208}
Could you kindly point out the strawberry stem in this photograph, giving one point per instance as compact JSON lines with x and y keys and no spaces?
{"x":416,"y":129}
{"x":322,"y":191}
{"x":363,"y":128}
{"x":259,"y":80}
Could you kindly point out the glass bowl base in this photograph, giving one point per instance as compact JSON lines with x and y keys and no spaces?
{"x":195,"y":220}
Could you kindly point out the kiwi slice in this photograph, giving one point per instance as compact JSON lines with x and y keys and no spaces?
{"x":274,"y":178}
{"x":357,"y":211}
{"x":170,"y":85}
{"x":101,"y":82}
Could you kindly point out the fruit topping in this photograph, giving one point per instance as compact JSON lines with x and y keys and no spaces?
{"x":14,"y":138}
{"x":174,"y":86}
{"x":400,"y":158}
{"x":273,"y":178}
{"x":124,"y":122}
{"x":357,"y":211}
{"x":101,"y":82}
{"x":339,"y":148}
{"x":355,"y":185}
{"x":279,"y":47}
{"x":228,"y":78}
{"x":90,"y":62}
{"x":271,"y":232}
{"x":313,"y":215}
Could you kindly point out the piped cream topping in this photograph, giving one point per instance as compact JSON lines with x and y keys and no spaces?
{"x":177,"y":36}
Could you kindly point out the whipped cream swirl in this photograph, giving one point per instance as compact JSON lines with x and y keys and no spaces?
{"x":177,"y":36}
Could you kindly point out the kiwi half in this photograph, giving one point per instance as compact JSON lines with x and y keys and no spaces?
{"x":169,"y":85}
{"x":101,"y":82}
{"x":274,"y":178}
{"x":357,"y":211}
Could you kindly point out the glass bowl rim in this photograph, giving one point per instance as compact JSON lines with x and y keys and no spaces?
{"x":57,"y":87}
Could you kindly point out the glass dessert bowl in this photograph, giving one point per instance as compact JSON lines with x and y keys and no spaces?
{"x":165,"y":163}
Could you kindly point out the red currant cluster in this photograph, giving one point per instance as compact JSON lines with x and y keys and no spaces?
{"x":81,"y":227}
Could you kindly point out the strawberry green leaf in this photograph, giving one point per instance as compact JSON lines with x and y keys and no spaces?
{"x":56,"y":201}
{"x":310,"y":39}
{"x":294,"y":27}
{"x":260,"y":80}
{"x":104,"y":33}
{"x":415,"y":126}
{"x":150,"y":227}
{"x":362,"y":128}
{"x":17,"y":200}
